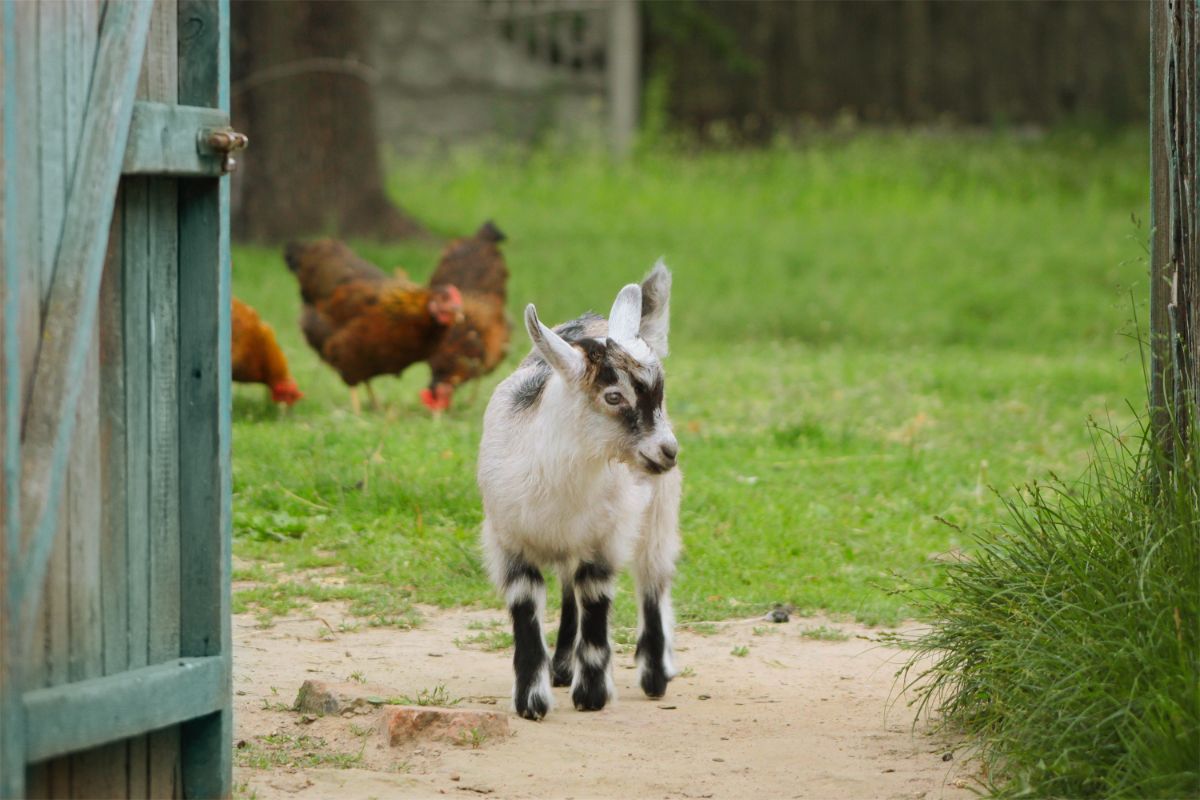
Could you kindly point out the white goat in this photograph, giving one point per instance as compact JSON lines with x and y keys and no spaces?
{"x":576,"y":472}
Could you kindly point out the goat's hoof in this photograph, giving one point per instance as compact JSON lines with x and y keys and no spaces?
{"x":562,"y":675}
{"x":654,"y":683}
{"x":591,"y":697}
{"x":535,"y":708}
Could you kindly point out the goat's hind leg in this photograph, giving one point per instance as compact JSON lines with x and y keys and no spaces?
{"x":654,"y":646}
{"x":654,"y":566}
{"x":525,"y":594}
{"x":563,"y":669}
{"x":592,"y":685}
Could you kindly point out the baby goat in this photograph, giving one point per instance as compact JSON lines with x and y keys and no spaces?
{"x":576,"y":468}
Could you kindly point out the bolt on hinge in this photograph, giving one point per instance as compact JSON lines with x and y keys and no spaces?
{"x":226,"y":142}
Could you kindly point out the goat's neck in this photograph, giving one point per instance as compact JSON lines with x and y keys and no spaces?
{"x":564,"y":439}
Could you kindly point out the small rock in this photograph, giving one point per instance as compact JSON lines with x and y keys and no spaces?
{"x":780,"y":613}
{"x":706,"y":697}
{"x":456,"y":777}
{"x":404,"y":724}
{"x":325,"y":697}
{"x":947,"y":756}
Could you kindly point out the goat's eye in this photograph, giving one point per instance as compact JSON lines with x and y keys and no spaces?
{"x":613,"y":398}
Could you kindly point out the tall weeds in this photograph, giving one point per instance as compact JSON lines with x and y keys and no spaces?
{"x":1068,"y":647}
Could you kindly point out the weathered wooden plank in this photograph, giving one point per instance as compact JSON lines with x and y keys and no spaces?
{"x":113,"y":782}
{"x":83,"y":468}
{"x":73,"y":298}
{"x":74,"y":716}
{"x":12,"y":720}
{"x":93,"y":772}
{"x":50,"y":660}
{"x":166,"y":140}
{"x":159,"y":83}
{"x":204,"y":434}
{"x":136,"y":297}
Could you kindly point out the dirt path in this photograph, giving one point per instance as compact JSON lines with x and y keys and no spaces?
{"x":793,"y":717}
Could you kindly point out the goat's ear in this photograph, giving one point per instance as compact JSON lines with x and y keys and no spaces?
{"x":560,"y":355}
{"x":656,"y":308}
{"x":626,"y":312}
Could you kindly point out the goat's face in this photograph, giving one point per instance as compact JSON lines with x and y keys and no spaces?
{"x":619,"y":379}
{"x":626,"y":392}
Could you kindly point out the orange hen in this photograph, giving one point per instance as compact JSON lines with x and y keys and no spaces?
{"x":256,"y":357}
{"x":474,"y":346}
{"x":362,"y":322}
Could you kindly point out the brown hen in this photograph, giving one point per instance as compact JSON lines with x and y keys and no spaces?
{"x":362,"y":322}
{"x":256,"y":357}
{"x":474,"y":346}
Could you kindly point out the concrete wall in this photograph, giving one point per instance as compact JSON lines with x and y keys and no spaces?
{"x":452,"y":72}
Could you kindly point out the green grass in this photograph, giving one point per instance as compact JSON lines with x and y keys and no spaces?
{"x":1068,"y":646}
{"x":866,"y":335}
{"x":293,"y":751}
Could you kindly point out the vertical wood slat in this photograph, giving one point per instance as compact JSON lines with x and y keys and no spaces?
{"x":204,"y":374}
{"x":91,"y":772}
{"x":1175,"y":229}
{"x":112,"y":780}
{"x":136,"y":334}
{"x":158,"y":82}
{"x":50,"y":654}
{"x":27,"y":225}
{"x":12,"y":722}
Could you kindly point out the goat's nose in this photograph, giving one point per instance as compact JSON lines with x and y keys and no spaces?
{"x":669,"y":451}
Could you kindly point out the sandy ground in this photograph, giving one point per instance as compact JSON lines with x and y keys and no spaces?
{"x":793,"y":717}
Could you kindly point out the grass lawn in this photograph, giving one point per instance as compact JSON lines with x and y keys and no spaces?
{"x":867,"y":335}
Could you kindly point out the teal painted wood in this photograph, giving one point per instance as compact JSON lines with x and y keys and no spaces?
{"x":50,"y":654}
{"x":90,"y":771}
{"x":74,"y":716}
{"x":22,"y":223}
{"x":136,"y":292}
{"x":124,"y":441}
{"x":157,"y":144}
{"x":12,"y":716}
{"x":73,"y":296}
{"x":205,"y":437}
{"x":158,"y":82}
{"x":112,"y":782}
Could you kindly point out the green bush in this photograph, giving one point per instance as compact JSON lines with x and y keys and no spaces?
{"x":1066,"y":646}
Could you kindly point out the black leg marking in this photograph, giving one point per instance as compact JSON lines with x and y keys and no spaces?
{"x":650,"y":649}
{"x":524,"y":588}
{"x":592,"y":688}
{"x":568,"y":626}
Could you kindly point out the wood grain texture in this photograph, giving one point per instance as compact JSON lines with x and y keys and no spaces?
{"x":205,"y":410}
{"x":159,"y":83}
{"x":12,"y":719}
{"x":159,"y":143}
{"x":86,"y":713}
{"x":74,"y":293}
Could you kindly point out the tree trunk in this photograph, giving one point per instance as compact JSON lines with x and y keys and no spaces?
{"x":1174,"y":265}
{"x":303,"y":92}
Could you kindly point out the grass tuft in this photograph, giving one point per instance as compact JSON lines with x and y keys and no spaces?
{"x":1067,"y":645}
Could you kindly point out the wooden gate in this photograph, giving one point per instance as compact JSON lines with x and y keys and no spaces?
{"x":114,"y":400}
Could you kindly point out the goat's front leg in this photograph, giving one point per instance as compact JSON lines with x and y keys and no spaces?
{"x":568,"y":629}
{"x":592,"y":685}
{"x":525,"y":593}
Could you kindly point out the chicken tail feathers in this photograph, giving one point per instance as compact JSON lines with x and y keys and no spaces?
{"x":488,"y":232}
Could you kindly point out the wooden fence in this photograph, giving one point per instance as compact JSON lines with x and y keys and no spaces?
{"x":1174,"y":220}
